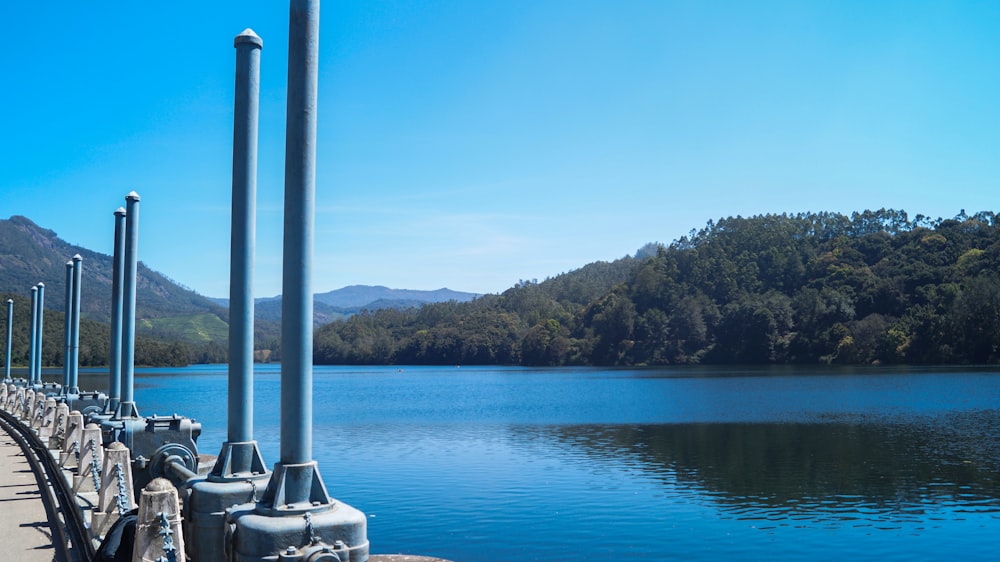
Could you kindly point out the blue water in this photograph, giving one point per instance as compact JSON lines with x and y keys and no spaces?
{"x":486,"y":463}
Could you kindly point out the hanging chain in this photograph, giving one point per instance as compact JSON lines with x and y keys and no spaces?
{"x":253,"y":490}
{"x":169,"y":550}
{"x":76,"y":451}
{"x":60,"y":428}
{"x":121,"y":501}
{"x":313,"y":539}
{"x":95,"y":467}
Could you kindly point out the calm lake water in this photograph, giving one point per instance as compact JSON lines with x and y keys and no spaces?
{"x":487,"y":463}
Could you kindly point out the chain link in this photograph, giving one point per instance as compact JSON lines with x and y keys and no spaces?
{"x":121,"y":500}
{"x":253,"y":490}
{"x":169,"y":550}
{"x":313,"y":539}
{"x":60,"y":428}
{"x":95,"y":467}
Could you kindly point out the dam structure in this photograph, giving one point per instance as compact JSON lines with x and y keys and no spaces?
{"x":107,"y":482}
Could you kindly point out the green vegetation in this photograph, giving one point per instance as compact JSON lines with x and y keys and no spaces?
{"x":94,"y":341}
{"x":873,"y":287}
{"x":175,"y":325}
{"x":807,"y":288}
{"x":202,"y":327}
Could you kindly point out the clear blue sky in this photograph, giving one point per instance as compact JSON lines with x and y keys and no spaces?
{"x":470,"y":144}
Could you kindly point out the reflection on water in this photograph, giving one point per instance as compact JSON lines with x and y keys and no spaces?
{"x":484,"y":464}
{"x":877,"y":473}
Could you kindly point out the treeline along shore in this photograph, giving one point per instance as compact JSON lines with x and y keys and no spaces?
{"x":872,"y":287}
{"x":810,"y":288}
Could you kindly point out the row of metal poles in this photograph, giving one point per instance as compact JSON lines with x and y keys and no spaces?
{"x":121,"y":356}
{"x":294,"y":518}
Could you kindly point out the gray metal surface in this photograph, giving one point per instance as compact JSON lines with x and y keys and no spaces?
{"x":74,"y":357}
{"x":67,"y":330}
{"x":32,"y":335}
{"x":241,"y":264}
{"x":10,"y":335}
{"x":115,"y":351}
{"x":39,"y":328}
{"x":126,"y":407}
{"x":300,"y":195}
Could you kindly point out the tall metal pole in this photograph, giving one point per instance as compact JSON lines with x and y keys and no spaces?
{"x":74,"y":385}
{"x":296,"y":488}
{"x":239,"y":470}
{"x":242,"y":241}
{"x":115,"y":351}
{"x":41,"y":332}
{"x":10,"y":335}
{"x":127,"y":407}
{"x":300,"y":195}
{"x":67,"y":329}
{"x":33,"y":335}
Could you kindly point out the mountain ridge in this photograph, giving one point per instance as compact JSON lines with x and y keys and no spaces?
{"x":355,"y":298}
{"x":30,"y":253}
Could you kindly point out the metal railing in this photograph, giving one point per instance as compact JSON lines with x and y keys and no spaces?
{"x":69,"y":532}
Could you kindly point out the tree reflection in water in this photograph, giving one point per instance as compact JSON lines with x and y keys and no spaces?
{"x":875,"y":470}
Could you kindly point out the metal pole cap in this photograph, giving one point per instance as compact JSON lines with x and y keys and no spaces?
{"x":248,"y":37}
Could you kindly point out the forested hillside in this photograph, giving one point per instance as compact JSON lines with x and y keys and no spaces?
{"x":875,"y":286}
{"x":30,"y":254}
{"x":95,"y":341}
{"x":175,"y":325}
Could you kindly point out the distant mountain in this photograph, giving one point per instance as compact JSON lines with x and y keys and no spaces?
{"x":269,"y":310}
{"x":364,"y":296}
{"x":30,"y":254}
{"x":165,"y":310}
{"x":342,"y":303}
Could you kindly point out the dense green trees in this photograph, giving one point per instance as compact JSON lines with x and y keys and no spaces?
{"x":811,"y":287}
{"x":94,"y":341}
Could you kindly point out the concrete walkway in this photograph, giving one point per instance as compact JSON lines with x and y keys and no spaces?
{"x":24,"y":524}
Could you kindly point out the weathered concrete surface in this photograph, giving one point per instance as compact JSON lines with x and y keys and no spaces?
{"x":24,"y":524}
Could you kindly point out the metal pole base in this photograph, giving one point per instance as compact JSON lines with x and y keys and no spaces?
{"x":239,"y":461}
{"x":239,"y":477}
{"x":126,"y":411}
{"x":336,"y":533}
{"x":294,"y":489}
